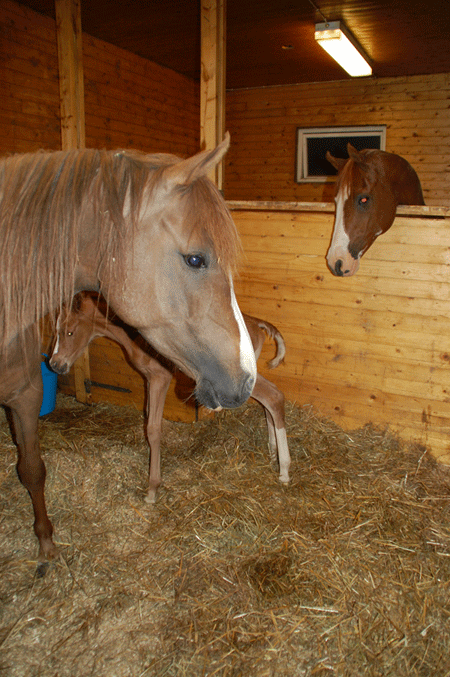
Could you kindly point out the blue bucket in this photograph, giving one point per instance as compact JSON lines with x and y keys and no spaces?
{"x":50,"y":382}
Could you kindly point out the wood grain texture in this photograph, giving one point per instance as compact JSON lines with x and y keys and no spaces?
{"x":373,"y":348}
{"x":129,"y":102}
{"x":263,"y":122}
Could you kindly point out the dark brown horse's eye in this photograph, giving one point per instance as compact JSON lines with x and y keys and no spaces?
{"x":70,"y":333}
{"x":363,"y":200}
{"x":195,"y":261}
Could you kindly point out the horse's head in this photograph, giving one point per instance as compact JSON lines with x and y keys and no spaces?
{"x":365,"y":208}
{"x":177,"y":287}
{"x":369,"y":186}
{"x":75,"y":329}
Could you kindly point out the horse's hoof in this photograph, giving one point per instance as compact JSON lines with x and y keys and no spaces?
{"x":284,"y":479}
{"x":42,"y":569}
{"x":150,"y":498}
{"x":47,"y":551}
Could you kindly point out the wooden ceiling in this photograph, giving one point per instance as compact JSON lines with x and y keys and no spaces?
{"x":271,"y":42}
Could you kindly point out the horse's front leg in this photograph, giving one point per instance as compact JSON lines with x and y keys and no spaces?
{"x":30,"y":466}
{"x":158,"y":381}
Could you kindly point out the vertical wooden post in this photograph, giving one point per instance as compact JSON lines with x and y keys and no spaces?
{"x":71,"y":92}
{"x":212,"y":78}
{"x":71,"y":81}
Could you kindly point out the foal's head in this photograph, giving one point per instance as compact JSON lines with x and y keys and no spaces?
{"x":76,"y":327}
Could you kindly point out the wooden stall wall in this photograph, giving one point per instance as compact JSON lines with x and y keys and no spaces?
{"x":134,"y":103}
{"x":129,"y":102}
{"x":372,"y":348}
{"x":261,"y":162}
{"x":29,"y":106}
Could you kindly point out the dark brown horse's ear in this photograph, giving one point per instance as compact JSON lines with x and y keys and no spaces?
{"x":337,"y":162}
{"x":354,"y":154}
{"x":187,"y":171}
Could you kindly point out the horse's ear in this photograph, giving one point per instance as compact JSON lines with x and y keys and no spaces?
{"x":187,"y":171}
{"x":337,"y":162}
{"x":354,"y":154}
{"x":357,"y":156}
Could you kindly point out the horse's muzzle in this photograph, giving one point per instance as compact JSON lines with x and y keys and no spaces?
{"x":344,"y":267}
{"x":216,"y":396}
{"x":58,"y":367}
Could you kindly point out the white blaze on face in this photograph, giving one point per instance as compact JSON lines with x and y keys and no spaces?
{"x":58,"y":327}
{"x":340,"y":241}
{"x":248,"y":360}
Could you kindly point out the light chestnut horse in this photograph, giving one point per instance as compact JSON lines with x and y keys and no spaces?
{"x":152,"y":234}
{"x":87,"y":320}
{"x":369,"y":187}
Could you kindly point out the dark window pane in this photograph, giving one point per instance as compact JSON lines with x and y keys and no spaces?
{"x":317,"y":148}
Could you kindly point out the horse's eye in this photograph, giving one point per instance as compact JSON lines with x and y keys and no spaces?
{"x":70,"y":333}
{"x":363,"y":200}
{"x":195,"y":261}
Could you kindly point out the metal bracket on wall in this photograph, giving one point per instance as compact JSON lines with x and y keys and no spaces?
{"x":107,"y":386}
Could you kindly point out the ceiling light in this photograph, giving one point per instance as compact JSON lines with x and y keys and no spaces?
{"x":336,"y":40}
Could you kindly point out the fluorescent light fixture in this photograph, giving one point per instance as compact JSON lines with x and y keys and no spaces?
{"x":336,"y":40}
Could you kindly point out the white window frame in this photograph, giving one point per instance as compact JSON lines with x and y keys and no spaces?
{"x":305,"y":133}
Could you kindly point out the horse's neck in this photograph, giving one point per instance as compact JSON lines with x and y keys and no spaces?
{"x":411,"y":195}
{"x":87,"y":265}
{"x":408,"y":190}
{"x":86,"y":278}
{"x":416,"y":197}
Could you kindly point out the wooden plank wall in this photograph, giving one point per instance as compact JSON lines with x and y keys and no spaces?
{"x":262,"y":122}
{"x":29,"y":107}
{"x":129,"y":102}
{"x":374,"y":347}
{"x":134,"y":103}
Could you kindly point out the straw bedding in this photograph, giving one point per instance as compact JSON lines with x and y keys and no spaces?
{"x":343,"y":572}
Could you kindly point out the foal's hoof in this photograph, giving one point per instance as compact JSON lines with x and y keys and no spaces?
{"x":284,"y":479}
{"x":42,"y":569}
{"x":150,"y":496}
{"x":47,"y":553}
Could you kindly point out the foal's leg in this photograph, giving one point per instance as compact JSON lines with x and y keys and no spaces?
{"x":30,"y":466}
{"x":272,"y":399}
{"x":273,"y":448}
{"x":158,"y":381}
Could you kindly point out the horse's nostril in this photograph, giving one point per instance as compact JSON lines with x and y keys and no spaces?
{"x":338,"y":268}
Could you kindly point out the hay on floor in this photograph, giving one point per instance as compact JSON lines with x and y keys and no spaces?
{"x":346,"y":571}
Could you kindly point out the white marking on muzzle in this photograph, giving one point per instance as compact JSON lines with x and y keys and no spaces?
{"x":248,"y":360}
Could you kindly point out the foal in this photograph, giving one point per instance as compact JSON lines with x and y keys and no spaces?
{"x":86,"y":321}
